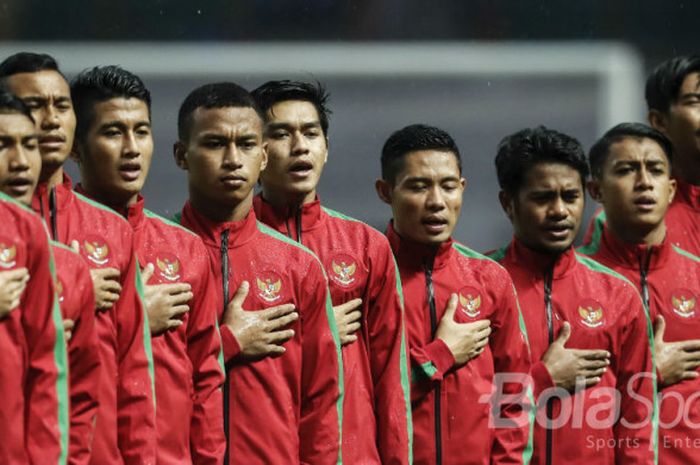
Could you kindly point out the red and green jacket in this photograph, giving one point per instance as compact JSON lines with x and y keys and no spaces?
{"x":682,"y":220}
{"x":34,"y":369}
{"x":452,"y":405}
{"x":77,"y":301}
{"x":359,"y":264}
{"x":605,"y":312}
{"x":287,"y":409}
{"x":668,"y":278}
{"x":189,"y":374}
{"x":125,"y":427}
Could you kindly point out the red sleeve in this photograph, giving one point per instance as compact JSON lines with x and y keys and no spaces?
{"x":428,"y":363}
{"x":636,"y":432}
{"x":135,"y":389}
{"x":388,"y":359}
{"x":84,"y":356}
{"x":321,"y":373}
{"x":541,"y":379}
{"x":511,"y":357}
{"x":207,"y":440}
{"x":230,"y":347}
{"x":46,"y":386}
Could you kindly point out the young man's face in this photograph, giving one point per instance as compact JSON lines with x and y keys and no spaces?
{"x":635,"y":186}
{"x":546,"y":211}
{"x":426,"y":196}
{"x":116,"y":150}
{"x":682,"y":121}
{"x":297,"y":150}
{"x":223,"y":155}
{"x":20,"y":160}
{"x":47,"y":95}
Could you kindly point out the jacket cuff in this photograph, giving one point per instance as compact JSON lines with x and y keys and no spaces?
{"x":541,"y":379}
{"x":440,"y":357}
{"x":230,"y":344}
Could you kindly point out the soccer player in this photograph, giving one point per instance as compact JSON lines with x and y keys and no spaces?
{"x":77,"y":303}
{"x":463,"y":321}
{"x":631,"y":166}
{"x":570,"y":299}
{"x":360,"y":267}
{"x":114,"y":144}
{"x":673,"y":99}
{"x":283,"y":404}
{"x":12,"y":285}
{"x":34,"y":407}
{"x":125,"y":425}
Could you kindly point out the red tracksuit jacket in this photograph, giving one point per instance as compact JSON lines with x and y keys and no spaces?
{"x":669,"y":280}
{"x":682,"y":220}
{"x":359,"y":263}
{"x":605,"y":312}
{"x":34,"y":369}
{"x":189,"y":375}
{"x":77,"y":301}
{"x":281,"y":410}
{"x":452,"y":405}
{"x":125,"y":428}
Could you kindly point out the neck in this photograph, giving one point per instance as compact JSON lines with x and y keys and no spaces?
{"x":635,"y":235}
{"x":52,"y":176}
{"x":219,"y":212}
{"x":282,"y":200}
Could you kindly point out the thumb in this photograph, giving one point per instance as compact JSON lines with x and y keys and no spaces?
{"x":660,"y":329}
{"x":564,"y":334}
{"x":240,"y":295}
{"x":75,"y":246}
{"x":451,"y":308}
{"x":146,"y":273}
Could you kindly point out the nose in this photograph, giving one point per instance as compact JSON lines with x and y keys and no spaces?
{"x":644,"y":179}
{"x":49,"y":118}
{"x":232,"y":157}
{"x":300,"y":144}
{"x":435,"y":200}
{"x":131,"y":146}
{"x":19,"y":160}
{"x":557,"y":209}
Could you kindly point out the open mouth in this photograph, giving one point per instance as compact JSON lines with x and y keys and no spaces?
{"x":130,"y":171}
{"x":301,"y":168}
{"x":435,"y":224}
{"x":19,"y":186}
{"x":645,"y":203}
{"x":558,"y":231}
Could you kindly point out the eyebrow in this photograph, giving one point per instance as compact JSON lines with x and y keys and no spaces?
{"x":287,"y":125}
{"x":122,"y":125}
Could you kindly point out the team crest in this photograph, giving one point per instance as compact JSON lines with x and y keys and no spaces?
{"x":8,"y":254}
{"x":97,"y":250}
{"x":591,"y":314}
{"x":470,"y":301}
{"x":168,"y":266}
{"x":269,"y":286}
{"x":683,"y":303}
{"x":343,"y":270}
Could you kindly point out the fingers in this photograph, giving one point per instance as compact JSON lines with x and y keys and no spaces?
{"x":180,"y":299}
{"x":17,"y":275}
{"x":173,"y":324}
{"x":592,"y":354}
{"x":107,"y":274}
{"x":689,"y":375}
{"x":240,"y":295}
{"x":179,"y":310}
{"x":594,"y":364}
{"x":283,"y":321}
{"x":692,"y":345}
{"x":273,"y":313}
{"x":353,"y":317}
{"x":564,"y":334}
{"x":111,"y":286}
{"x":147,"y":272}
{"x":348,"y":306}
{"x":279,"y":337}
{"x":451,"y":308}
{"x":592,"y":381}
{"x":75,"y":246}
{"x":660,"y":329}
{"x":68,"y":324}
{"x":479,"y":325}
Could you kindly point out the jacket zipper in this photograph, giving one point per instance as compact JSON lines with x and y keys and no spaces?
{"x":227,"y":386}
{"x":550,"y":337}
{"x":437,"y":390}
{"x":52,"y":209}
{"x":298,"y":219}
{"x":643,"y":273}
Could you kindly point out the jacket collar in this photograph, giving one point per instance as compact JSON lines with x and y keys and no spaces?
{"x":134,"y":213}
{"x":632,"y":256}
{"x":415,"y":255}
{"x":63,"y":193}
{"x":687,"y":194}
{"x":541,"y":263}
{"x":284,"y":220}
{"x":239,"y":232}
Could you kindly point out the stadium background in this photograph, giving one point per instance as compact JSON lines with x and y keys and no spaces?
{"x":479,"y":69}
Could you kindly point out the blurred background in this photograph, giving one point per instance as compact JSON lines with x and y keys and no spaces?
{"x":478,"y":69}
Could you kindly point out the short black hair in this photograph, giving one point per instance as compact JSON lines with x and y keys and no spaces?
{"x":216,"y":95}
{"x":665,"y":81}
{"x":519,"y":152}
{"x":273,"y":92}
{"x":103,"y":83}
{"x":11,"y":104}
{"x":28,"y":62}
{"x":413,"y":138}
{"x":601,"y":149}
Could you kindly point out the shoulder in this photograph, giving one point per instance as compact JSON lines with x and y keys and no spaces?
{"x":103,"y":211}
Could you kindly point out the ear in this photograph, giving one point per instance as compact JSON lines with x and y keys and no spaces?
{"x":657,"y":120}
{"x":594,"y":190}
{"x":506,"y":201}
{"x":463,"y":183}
{"x":383,"y":189}
{"x":673,"y":186}
{"x":263,"y":162}
{"x":180,"y":155}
